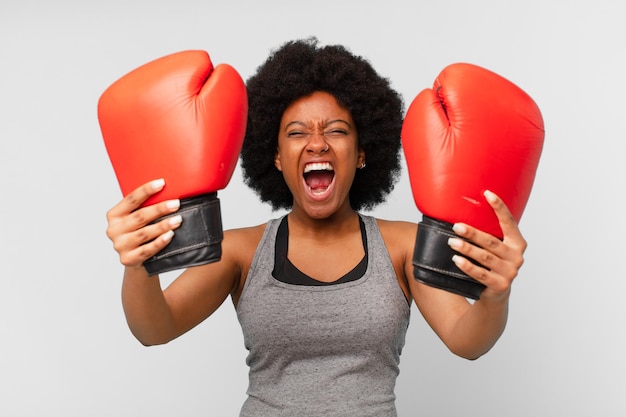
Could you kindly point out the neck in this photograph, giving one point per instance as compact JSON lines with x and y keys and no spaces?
{"x":341,"y":221}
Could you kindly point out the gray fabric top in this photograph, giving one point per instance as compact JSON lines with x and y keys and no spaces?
{"x":323,"y":350}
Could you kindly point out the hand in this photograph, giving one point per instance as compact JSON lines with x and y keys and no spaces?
{"x":134,"y":236}
{"x":501,"y":259}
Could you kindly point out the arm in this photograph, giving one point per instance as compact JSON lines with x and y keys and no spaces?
{"x":471,"y":330}
{"x":155,"y":316}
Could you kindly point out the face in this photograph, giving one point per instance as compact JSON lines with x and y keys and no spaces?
{"x":318,"y":154}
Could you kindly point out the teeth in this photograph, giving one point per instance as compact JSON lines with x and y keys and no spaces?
{"x":318,"y":166}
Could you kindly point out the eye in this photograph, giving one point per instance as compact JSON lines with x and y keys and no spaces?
{"x":335,"y":133}
{"x":296,"y":134}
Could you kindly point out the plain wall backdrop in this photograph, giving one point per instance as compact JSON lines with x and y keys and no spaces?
{"x":65,"y":348}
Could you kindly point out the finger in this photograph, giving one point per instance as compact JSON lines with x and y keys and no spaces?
{"x":495,"y":283}
{"x":135,"y":247}
{"x":508,"y":224}
{"x":501,"y":256}
{"x":136,"y":198}
{"x":146,"y":215}
{"x":140,"y":254}
{"x":477,"y":272}
{"x":484,"y":240}
{"x":136,"y":220}
{"x":151,"y":231}
{"x":487,"y":258}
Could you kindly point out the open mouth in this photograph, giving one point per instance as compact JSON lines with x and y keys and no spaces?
{"x":318,"y":177}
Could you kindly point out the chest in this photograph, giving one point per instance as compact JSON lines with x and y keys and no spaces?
{"x":327,"y":262}
{"x":305,"y":322}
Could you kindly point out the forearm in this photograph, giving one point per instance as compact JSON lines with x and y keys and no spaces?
{"x":477,"y":331}
{"x":147,"y":313}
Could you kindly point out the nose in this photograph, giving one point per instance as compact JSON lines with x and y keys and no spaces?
{"x":317,"y":143}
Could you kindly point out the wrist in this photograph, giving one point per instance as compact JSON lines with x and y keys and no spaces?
{"x":492,"y":300}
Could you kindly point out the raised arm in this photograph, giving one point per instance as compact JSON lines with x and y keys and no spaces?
{"x":471,"y":329}
{"x":156,"y":316}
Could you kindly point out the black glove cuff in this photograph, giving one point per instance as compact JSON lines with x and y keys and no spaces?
{"x":432,"y":260}
{"x":197,"y":241}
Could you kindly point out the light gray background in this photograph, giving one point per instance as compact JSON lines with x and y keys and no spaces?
{"x":64,"y":345}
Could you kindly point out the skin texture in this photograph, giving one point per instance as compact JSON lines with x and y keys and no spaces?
{"x":314,"y":128}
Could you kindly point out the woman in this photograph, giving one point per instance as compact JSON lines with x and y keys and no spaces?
{"x":323,"y":293}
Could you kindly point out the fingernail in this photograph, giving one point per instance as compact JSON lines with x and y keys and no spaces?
{"x":454,"y":243}
{"x":172,"y":204}
{"x":458,"y":260}
{"x":158,"y":184}
{"x":459,"y":228}
{"x":167,"y":236}
{"x":490,"y":196}
{"x":175,"y":220}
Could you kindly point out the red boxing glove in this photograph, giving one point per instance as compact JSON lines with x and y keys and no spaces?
{"x":473,"y":131}
{"x":180,"y":119}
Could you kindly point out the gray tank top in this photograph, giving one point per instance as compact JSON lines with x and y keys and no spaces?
{"x":323,"y":350}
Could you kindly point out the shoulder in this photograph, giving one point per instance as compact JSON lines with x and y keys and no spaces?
{"x":243,"y":239}
{"x":238,"y":249}
{"x":396,"y":230}
{"x":399,"y":237}
{"x":246,"y":231}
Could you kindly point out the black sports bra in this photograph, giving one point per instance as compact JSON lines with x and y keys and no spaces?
{"x":287,"y":272}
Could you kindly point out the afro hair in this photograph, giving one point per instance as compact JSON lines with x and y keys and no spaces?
{"x":297,"y":69}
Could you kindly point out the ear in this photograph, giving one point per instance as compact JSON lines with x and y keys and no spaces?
{"x":360,"y":158}
{"x":277,"y":160}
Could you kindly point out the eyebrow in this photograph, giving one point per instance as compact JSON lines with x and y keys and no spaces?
{"x":298,"y":122}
